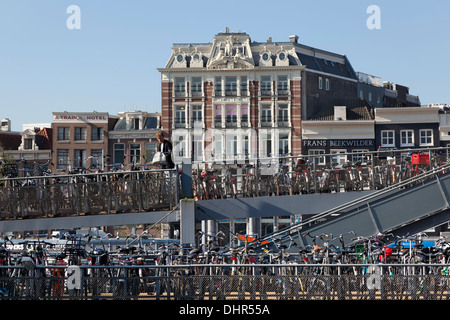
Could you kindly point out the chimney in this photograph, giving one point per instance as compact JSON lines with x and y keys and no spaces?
{"x":293,"y":38}
{"x":5,"y":125}
{"x":340,"y":113}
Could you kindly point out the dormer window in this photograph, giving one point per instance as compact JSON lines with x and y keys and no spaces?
{"x":265,"y":56}
{"x":282,"y":58}
{"x":28,"y":141}
{"x":28,"y":144}
{"x":196,"y":57}
{"x":180,"y":58}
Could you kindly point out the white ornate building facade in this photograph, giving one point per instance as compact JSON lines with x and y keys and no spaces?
{"x":232,"y":100}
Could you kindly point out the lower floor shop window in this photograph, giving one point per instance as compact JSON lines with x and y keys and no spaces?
{"x":318,"y":159}
{"x":150,"y":150}
{"x":62,"y":159}
{"x":119,"y":153}
{"x":359,"y":155}
{"x":80,"y":158}
{"x":283,"y":145}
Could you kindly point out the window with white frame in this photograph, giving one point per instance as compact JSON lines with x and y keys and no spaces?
{"x":406,"y":138}
{"x":196,"y":115}
{"x":316,"y":155}
{"x":231,"y":114}
{"x":217,"y":147}
{"x":266,"y":145}
{"x":283,"y":144}
{"x":218,"y":114}
{"x":327,"y":84}
{"x":337,"y":158}
{"x":387,"y":138}
{"x":426,"y":137}
{"x":231,"y":146}
{"x":244,"y":86}
{"x":266,"y":85}
{"x":266,"y":114}
{"x":135,"y":153}
{"x":359,"y":155}
{"x":320,"y":83}
{"x":218,"y":86}
{"x":230,"y":86}
{"x":135,"y":124}
{"x":197,"y":148}
{"x":180,"y":116}
{"x":282,"y":85}
{"x":179,"y":147}
{"x":196,"y":86}
{"x":244,"y":115}
{"x":180,"y":87}
{"x":283,"y":113}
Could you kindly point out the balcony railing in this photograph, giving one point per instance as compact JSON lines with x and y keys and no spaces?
{"x":283,"y":123}
{"x":231,"y":93}
{"x":283,"y":92}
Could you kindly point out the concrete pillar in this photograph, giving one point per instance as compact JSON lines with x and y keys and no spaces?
{"x":212,"y":228}
{"x":187,"y":221}
{"x":186,"y":178}
{"x":251,"y":227}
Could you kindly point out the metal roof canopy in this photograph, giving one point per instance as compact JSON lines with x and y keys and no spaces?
{"x":89,"y":221}
{"x":237,"y":208}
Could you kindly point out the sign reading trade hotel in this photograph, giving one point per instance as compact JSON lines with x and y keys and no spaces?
{"x":80,"y":117}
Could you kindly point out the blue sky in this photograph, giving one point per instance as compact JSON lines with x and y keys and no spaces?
{"x":110,"y":64}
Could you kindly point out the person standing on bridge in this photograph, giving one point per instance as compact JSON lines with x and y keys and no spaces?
{"x":165,"y":146}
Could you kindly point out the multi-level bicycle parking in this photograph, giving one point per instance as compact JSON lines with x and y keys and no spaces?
{"x":313,"y":174}
{"x":381,"y":267}
{"x":274,"y":267}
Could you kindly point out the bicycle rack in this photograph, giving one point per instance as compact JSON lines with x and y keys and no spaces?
{"x":408,"y":207}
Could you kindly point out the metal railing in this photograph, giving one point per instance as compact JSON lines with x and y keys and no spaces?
{"x":145,"y":190}
{"x":92,"y":193}
{"x":227,"y":282}
{"x":306,"y":174}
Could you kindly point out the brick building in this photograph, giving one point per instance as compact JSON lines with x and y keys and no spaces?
{"x":132,"y":137}
{"x":80,"y":140}
{"x":232,"y":99}
{"x":237,"y":99}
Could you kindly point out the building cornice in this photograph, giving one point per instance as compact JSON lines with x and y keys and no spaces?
{"x":336,"y":123}
{"x":255,"y":69}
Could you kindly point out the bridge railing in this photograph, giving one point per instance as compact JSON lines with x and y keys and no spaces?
{"x":147,"y":190}
{"x":316,"y":173}
{"x":93,"y":193}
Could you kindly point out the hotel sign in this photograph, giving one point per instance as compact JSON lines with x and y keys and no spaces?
{"x":339,"y":143}
{"x":80,"y":117}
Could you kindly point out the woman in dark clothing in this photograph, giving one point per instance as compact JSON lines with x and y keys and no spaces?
{"x":165,"y":147}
